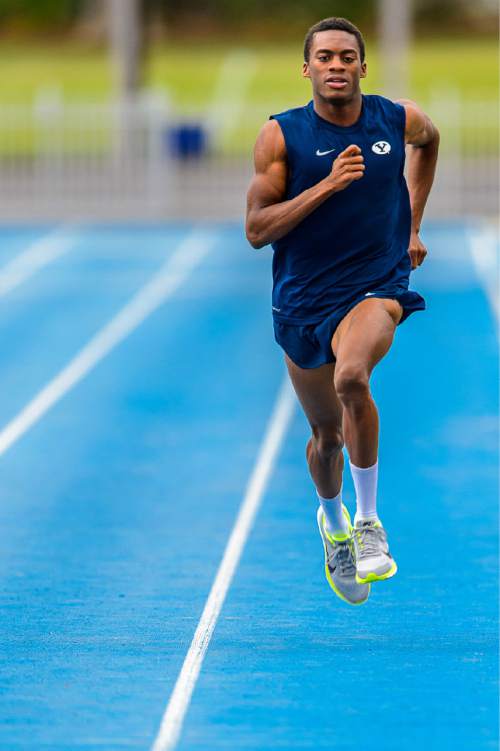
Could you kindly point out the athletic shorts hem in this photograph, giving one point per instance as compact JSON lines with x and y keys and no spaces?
{"x":309,"y":345}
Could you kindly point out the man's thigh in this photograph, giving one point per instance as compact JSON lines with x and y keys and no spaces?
{"x":316,"y":392}
{"x":366,"y":333}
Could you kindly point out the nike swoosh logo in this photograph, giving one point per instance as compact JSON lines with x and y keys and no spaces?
{"x":322,"y":153}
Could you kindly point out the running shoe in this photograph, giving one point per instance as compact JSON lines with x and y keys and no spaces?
{"x":371,"y":552}
{"x":340,"y":568}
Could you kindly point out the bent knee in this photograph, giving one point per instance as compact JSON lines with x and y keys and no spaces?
{"x":352,"y":383}
{"x":328,"y":443}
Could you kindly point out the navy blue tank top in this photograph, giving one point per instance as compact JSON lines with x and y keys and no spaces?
{"x":358,"y":238}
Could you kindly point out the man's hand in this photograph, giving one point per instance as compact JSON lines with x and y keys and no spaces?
{"x":347,"y":167}
{"x":417,"y":250}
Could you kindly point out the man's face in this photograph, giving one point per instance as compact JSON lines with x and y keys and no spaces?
{"x":334,"y":66}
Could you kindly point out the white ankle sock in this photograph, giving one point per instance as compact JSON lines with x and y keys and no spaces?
{"x":336,"y":523}
{"x":365,"y":484}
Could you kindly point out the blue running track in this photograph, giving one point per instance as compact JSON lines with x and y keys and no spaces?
{"x":117,"y":502}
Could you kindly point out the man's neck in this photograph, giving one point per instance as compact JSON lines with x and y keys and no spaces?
{"x":339,"y":113}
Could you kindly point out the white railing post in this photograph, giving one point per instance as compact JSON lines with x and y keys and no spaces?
{"x":156,"y":109}
{"x":445,"y":107}
{"x":48,"y":121}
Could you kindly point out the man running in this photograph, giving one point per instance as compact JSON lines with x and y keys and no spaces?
{"x":329,"y":194}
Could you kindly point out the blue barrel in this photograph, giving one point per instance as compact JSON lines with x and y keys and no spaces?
{"x":187,"y":141}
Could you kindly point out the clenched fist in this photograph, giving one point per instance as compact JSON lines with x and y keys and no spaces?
{"x":417,"y":250}
{"x":347,"y":167}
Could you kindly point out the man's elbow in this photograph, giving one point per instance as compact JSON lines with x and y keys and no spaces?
{"x":255,"y":241}
{"x":434,"y":139}
{"x":254,"y":237}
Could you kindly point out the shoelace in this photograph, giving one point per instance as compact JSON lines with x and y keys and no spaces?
{"x":341,"y":557}
{"x":369,"y":540}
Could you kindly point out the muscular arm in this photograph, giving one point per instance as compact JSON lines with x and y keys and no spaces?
{"x":269,"y":217}
{"x":422,"y":136}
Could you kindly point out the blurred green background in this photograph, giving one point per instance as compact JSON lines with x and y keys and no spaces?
{"x":81,"y":70}
{"x":60,"y":48}
{"x":63,"y":43}
{"x":226,"y":65}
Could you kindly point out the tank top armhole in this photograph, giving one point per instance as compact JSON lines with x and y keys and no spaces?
{"x":288,"y":149}
{"x":279,"y":120}
{"x":400,"y":118}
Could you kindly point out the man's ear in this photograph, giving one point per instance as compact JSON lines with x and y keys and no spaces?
{"x":305,"y":70}
{"x":363,"y":70}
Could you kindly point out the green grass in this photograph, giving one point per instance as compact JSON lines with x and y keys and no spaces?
{"x":78,"y":73}
{"x":439,"y":69}
{"x":190,"y":74}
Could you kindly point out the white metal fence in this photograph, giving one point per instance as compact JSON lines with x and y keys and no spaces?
{"x":143,"y":160}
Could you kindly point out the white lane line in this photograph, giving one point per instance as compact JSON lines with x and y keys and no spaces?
{"x":174,"y":271}
{"x":35,"y":257}
{"x":171,"y":724}
{"x":484,"y":246}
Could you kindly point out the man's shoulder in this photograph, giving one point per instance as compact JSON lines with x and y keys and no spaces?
{"x":379,"y":106}
{"x":293,"y":113}
{"x":377,"y":100}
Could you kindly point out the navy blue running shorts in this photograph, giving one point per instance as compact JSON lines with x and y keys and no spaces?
{"x":309,"y":346}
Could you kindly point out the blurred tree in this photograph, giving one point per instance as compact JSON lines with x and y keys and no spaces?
{"x":290,"y":14}
{"x":283,"y":10}
{"x":41,"y":12}
{"x":285,"y":15}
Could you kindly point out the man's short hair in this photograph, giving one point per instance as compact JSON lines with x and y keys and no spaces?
{"x":334,"y":24}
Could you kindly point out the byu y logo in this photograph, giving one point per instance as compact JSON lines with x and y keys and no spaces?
{"x":381,"y":147}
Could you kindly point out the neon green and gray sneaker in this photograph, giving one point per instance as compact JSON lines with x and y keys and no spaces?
{"x":340,"y":569}
{"x":371,"y":552}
